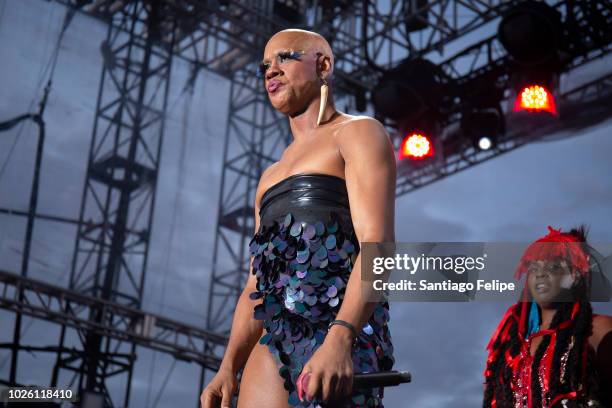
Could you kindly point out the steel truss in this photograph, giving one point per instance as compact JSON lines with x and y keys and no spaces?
{"x":110,"y":255}
{"x":72,"y":308}
{"x":486,"y":63}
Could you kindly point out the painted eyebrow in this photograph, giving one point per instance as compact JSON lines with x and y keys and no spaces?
{"x":266,"y":60}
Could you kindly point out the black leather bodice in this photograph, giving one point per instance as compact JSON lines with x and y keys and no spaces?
{"x":308,"y":196}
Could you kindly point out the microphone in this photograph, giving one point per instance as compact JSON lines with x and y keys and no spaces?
{"x":381,"y":379}
{"x":364,"y":380}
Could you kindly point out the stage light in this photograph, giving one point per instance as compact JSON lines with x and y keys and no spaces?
{"x":535,"y":98}
{"x":483,"y":126}
{"x":416,"y":146}
{"x":485,"y":143}
{"x":413,"y":96}
{"x":408,"y":90}
{"x":531,"y":32}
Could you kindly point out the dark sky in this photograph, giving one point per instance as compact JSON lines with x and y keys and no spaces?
{"x":511,"y":198}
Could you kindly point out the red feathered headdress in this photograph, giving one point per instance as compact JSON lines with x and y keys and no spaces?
{"x":556,"y":244}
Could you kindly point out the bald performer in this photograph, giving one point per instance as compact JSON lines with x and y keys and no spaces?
{"x":301,"y":327}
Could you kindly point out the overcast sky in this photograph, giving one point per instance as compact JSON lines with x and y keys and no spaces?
{"x":511,"y":198}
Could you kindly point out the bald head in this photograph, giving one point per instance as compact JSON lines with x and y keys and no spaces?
{"x":298,"y":39}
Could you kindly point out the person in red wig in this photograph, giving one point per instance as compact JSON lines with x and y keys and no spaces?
{"x":550,"y":350}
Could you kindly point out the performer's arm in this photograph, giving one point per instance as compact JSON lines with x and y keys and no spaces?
{"x":246,"y":330}
{"x":244,"y":334}
{"x":370,"y":177}
{"x":370,"y":172}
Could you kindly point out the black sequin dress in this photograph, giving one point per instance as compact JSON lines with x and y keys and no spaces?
{"x":303,"y":254}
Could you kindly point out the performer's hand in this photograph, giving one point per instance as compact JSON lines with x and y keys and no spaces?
{"x":331,"y":369}
{"x":219,"y":391}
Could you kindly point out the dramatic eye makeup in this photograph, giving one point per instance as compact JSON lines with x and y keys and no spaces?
{"x":281,"y":57}
{"x":550,"y":268}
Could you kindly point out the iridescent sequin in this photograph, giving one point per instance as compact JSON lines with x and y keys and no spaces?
{"x":302,"y":270}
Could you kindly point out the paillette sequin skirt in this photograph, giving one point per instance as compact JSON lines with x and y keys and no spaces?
{"x":302,"y":269}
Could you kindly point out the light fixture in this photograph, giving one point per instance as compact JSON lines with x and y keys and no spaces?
{"x":408,"y":90}
{"x":483,"y":126}
{"x":416,"y":146}
{"x":535,"y":98}
{"x":531,"y":32}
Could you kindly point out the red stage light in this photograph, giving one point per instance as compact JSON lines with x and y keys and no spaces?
{"x":535,"y":98}
{"x":416,"y":146}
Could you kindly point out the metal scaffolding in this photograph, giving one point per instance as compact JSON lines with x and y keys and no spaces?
{"x":113,"y":234}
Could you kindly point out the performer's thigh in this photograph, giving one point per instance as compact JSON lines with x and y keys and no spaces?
{"x":261,"y":385}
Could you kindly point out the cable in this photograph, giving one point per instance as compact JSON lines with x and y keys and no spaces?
{"x":176,"y":210}
{"x":163,"y":387}
{"x":11,"y":150}
{"x":51,"y":65}
{"x":175,"y":215}
{"x":41,"y":76}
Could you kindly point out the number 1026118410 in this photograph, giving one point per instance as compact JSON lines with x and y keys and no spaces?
{"x":37,"y":394}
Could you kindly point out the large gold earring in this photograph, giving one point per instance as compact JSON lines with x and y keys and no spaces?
{"x":324,"y":91}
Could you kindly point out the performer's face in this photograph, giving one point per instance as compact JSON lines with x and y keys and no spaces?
{"x":548,"y":281}
{"x":289,"y":59}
